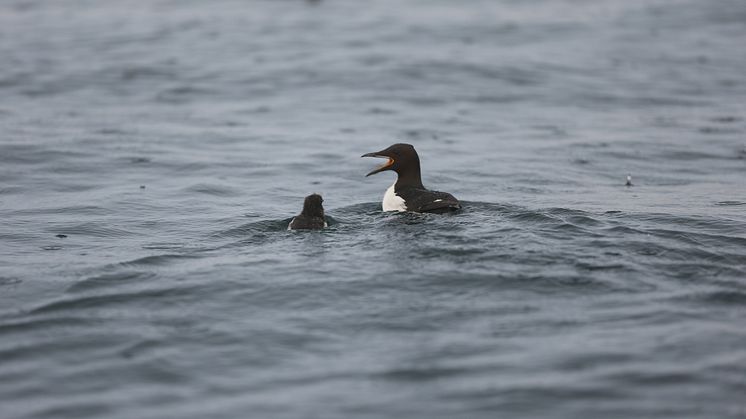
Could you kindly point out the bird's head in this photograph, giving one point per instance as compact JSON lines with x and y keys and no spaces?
{"x":401,"y":158}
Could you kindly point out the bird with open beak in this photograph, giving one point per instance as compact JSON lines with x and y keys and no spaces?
{"x":408,"y":193}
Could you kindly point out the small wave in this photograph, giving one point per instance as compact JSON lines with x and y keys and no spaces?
{"x":138,"y":348}
{"x":264,"y":226}
{"x":424,"y":374}
{"x":691,"y":155}
{"x":533,"y":217}
{"x":25,"y":324}
{"x":109,"y":300}
{"x":606,"y":267}
{"x":4,"y":280}
{"x":25,"y":154}
{"x":730,"y":297}
{"x":730,"y":203}
{"x":595,"y":99}
{"x":726,"y":119}
{"x":345,"y":215}
{"x":183,"y":94}
{"x":109,"y":280}
{"x":83,"y":210}
{"x":95,"y":229}
{"x":539,"y":283}
{"x":113,"y":131}
{"x":594,"y":360}
{"x":156,"y":260}
{"x":145,"y":72}
{"x":139,"y":160}
{"x":214,"y":190}
{"x":660,"y":378}
{"x":718,"y":130}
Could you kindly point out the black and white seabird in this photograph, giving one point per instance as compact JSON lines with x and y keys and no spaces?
{"x":312,"y":216}
{"x":408,"y":193}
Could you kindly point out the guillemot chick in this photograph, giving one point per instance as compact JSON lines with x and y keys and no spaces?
{"x":312,"y":216}
{"x":408,"y":193}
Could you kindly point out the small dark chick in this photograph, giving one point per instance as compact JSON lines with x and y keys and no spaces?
{"x":312,"y":216}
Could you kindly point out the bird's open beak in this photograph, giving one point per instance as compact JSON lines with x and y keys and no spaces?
{"x":381,"y":168}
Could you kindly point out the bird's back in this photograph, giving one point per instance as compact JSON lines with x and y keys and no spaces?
{"x":303,"y":222}
{"x":423,"y":200}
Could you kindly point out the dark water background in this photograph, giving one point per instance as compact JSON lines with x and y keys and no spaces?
{"x":557,"y":293}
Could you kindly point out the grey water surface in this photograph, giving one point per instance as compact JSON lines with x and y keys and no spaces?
{"x":153,"y":152}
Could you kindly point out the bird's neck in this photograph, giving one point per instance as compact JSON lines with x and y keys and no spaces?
{"x":410,"y":178}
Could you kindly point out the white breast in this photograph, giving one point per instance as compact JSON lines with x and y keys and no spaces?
{"x":392,"y":202}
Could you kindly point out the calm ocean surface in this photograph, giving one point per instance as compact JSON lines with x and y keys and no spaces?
{"x":153,"y":152}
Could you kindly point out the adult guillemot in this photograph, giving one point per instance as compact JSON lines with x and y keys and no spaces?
{"x":408,"y":193}
{"x":312,"y":216}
